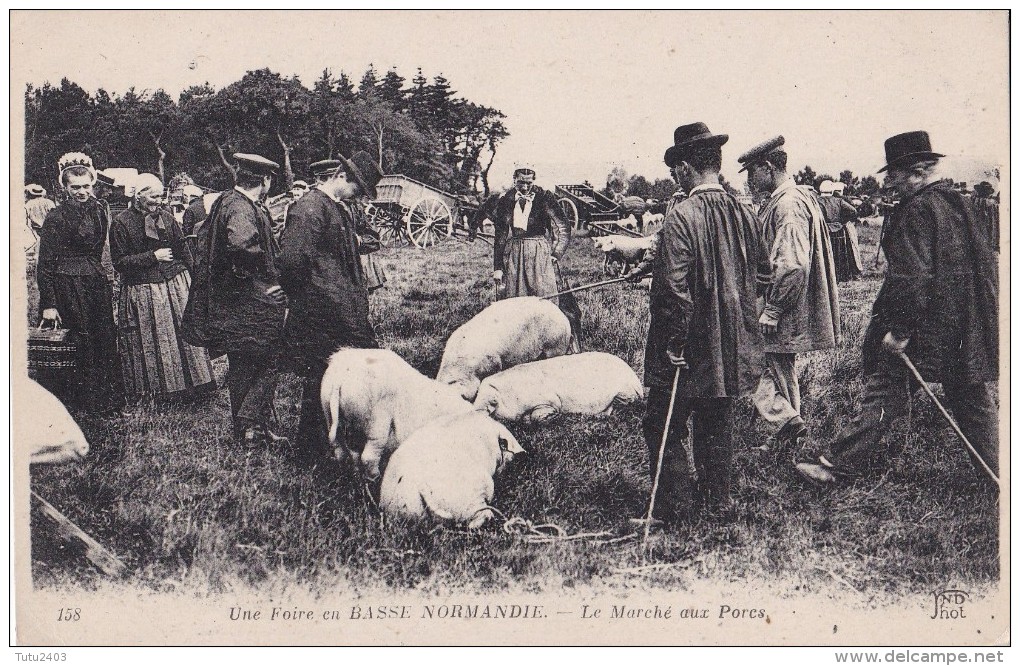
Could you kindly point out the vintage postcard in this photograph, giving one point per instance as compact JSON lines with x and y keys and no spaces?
{"x":511,"y":328}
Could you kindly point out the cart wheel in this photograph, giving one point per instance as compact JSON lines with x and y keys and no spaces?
{"x":570,"y":213}
{"x":389,"y":226}
{"x":428,"y":222}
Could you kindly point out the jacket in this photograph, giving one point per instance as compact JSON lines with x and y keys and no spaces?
{"x":133,"y":247}
{"x":321,"y":272}
{"x":228,"y":308}
{"x":545,"y":221}
{"x":801,"y":292}
{"x":703,"y":297}
{"x":71,"y":242}
{"x":940,"y":290}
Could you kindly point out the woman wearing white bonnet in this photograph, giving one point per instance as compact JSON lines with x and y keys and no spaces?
{"x":153,"y":260}
{"x":74,"y":292}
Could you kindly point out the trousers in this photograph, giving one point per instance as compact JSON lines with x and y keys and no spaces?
{"x":680,"y":493}
{"x":777,"y":397}
{"x":313,"y":437}
{"x":887,"y":397}
{"x":251,"y":382}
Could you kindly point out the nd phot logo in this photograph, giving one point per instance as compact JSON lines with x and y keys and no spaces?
{"x":949,"y":604}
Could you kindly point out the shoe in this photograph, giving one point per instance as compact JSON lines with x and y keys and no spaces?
{"x":817,"y":474}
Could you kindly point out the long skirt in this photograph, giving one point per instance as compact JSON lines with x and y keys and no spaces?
{"x":846,"y":254}
{"x":155,"y":358}
{"x":529,"y":271}
{"x":86,"y":308}
{"x":528,"y":268}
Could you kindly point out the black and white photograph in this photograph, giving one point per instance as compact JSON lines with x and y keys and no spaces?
{"x":511,"y":328}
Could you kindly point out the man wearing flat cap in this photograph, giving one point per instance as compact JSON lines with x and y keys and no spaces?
{"x":236,"y":305}
{"x":938,"y":304}
{"x":801,"y":311}
{"x":321,"y":271}
{"x":704,"y":325}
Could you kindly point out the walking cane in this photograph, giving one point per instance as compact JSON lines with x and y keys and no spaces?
{"x":658,"y":466}
{"x":952,"y":423}
{"x":584,"y":287}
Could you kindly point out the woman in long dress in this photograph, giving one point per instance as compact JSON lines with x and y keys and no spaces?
{"x":150,"y":254}
{"x":74,"y":290}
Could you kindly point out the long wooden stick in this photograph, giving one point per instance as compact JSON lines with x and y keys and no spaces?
{"x":107,"y":562}
{"x":952,"y":423}
{"x":658,"y":465}
{"x":586,"y":286}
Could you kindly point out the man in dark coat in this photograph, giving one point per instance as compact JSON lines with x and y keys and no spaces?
{"x":236,"y":304}
{"x":321,"y":271}
{"x":704,"y":325}
{"x":939,"y":304}
{"x":986,"y":208}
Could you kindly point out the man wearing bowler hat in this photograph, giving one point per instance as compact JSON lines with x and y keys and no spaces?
{"x":236,"y":305}
{"x":938,"y":304}
{"x":704,"y":325}
{"x":801,"y":312}
{"x":321,"y":272}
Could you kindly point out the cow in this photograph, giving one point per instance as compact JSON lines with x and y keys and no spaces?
{"x":445,"y":471}
{"x":588,"y":383}
{"x":505,"y":334}
{"x":380,"y":400}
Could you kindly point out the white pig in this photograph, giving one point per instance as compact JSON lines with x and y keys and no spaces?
{"x":505,"y":334}
{"x":445,"y":470}
{"x":381,"y":400}
{"x":44,"y":426}
{"x":588,"y":383}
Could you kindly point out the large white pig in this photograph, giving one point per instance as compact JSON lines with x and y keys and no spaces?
{"x":588,"y":383}
{"x":44,"y":427}
{"x":380,"y":400}
{"x":445,"y":471}
{"x":505,"y":334}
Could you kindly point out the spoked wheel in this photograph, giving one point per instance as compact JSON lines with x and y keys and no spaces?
{"x":389,"y":226}
{"x":428,"y":222}
{"x":570,"y":213}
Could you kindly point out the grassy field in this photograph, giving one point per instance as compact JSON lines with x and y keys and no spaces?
{"x":186,"y":509}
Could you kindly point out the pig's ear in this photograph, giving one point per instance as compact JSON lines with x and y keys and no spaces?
{"x":509,"y":443}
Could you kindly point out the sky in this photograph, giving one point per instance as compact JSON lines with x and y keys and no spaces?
{"x":586,"y":91}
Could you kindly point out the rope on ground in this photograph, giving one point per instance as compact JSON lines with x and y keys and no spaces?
{"x":551,"y":532}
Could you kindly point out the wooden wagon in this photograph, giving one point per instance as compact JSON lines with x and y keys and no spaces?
{"x":584,"y":208}
{"x":406,"y":210}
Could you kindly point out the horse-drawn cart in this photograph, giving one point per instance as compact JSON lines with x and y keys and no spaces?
{"x":584,"y":208}
{"x":407,"y":210}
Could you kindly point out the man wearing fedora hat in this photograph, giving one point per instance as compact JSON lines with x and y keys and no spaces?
{"x":321,"y":271}
{"x":703,"y":325}
{"x":801,"y":312}
{"x":236,"y":305}
{"x":938,"y":304}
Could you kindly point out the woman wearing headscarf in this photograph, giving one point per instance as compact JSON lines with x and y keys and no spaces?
{"x":74,"y":291}
{"x":151,"y":256}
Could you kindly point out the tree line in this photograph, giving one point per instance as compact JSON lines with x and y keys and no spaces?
{"x":422,"y":129}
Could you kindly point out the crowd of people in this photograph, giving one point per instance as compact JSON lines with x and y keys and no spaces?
{"x":737,"y":295}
